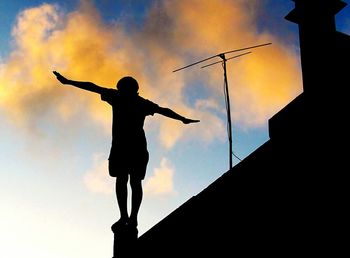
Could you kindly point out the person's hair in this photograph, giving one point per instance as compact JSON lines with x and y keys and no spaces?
{"x":128,"y":84}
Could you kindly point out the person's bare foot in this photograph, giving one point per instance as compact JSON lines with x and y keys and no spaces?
{"x":119,"y":224}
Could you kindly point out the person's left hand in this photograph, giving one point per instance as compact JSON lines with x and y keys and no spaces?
{"x":189,"y":121}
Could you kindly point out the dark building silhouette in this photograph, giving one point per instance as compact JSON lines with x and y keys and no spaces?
{"x":290,"y":196}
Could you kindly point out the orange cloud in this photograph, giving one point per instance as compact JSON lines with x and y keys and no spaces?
{"x":260,"y":83}
{"x":83,"y":47}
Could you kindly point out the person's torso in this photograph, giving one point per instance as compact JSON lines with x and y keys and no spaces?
{"x":128,"y":120}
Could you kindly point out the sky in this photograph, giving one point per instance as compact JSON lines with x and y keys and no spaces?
{"x":57,"y":199}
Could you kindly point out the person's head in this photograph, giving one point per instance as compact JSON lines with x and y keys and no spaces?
{"x":128,"y":85}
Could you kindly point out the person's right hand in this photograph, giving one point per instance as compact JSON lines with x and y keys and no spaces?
{"x":61,"y":78}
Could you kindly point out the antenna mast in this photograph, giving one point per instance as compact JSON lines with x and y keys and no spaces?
{"x":229,"y":124}
{"x":227,"y":97}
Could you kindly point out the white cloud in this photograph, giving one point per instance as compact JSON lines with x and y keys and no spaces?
{"x":161,"y":182}
{"x":97,"y":179}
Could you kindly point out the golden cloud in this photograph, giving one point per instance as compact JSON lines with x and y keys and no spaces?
{"x":82,"y":46}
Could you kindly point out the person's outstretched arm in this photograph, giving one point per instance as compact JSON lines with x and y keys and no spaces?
{"x":89,"y":86}
{"x":170,"y":113}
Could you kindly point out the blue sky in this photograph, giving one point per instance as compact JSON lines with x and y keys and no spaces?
{"x":57,"y":196}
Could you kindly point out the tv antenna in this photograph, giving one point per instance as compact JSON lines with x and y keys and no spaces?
{"x":226,"y":93}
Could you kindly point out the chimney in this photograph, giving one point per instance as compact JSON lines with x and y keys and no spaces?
{"x":317,"y":32}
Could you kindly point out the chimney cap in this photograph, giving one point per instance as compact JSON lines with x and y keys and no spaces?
{"x":331,"y":6}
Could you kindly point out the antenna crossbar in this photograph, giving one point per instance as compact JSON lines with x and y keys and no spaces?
{"x":218,"y":55}
{"x":226,"y":59}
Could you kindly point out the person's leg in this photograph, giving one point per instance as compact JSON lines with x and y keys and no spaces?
{"x":122,"y":197}
{"x":136,"y":199}
{"x":136,"y":177}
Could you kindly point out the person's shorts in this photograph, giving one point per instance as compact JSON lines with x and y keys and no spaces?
{"x":128,"y":163}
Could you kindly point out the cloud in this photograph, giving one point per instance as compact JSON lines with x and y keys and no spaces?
{"x":82,"y":46}
{"x":260,"y":83}
{"x":97,"y":179}
{"x":161,"y":181}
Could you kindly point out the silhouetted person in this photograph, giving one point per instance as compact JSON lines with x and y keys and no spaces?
{"x":128,"y":154}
